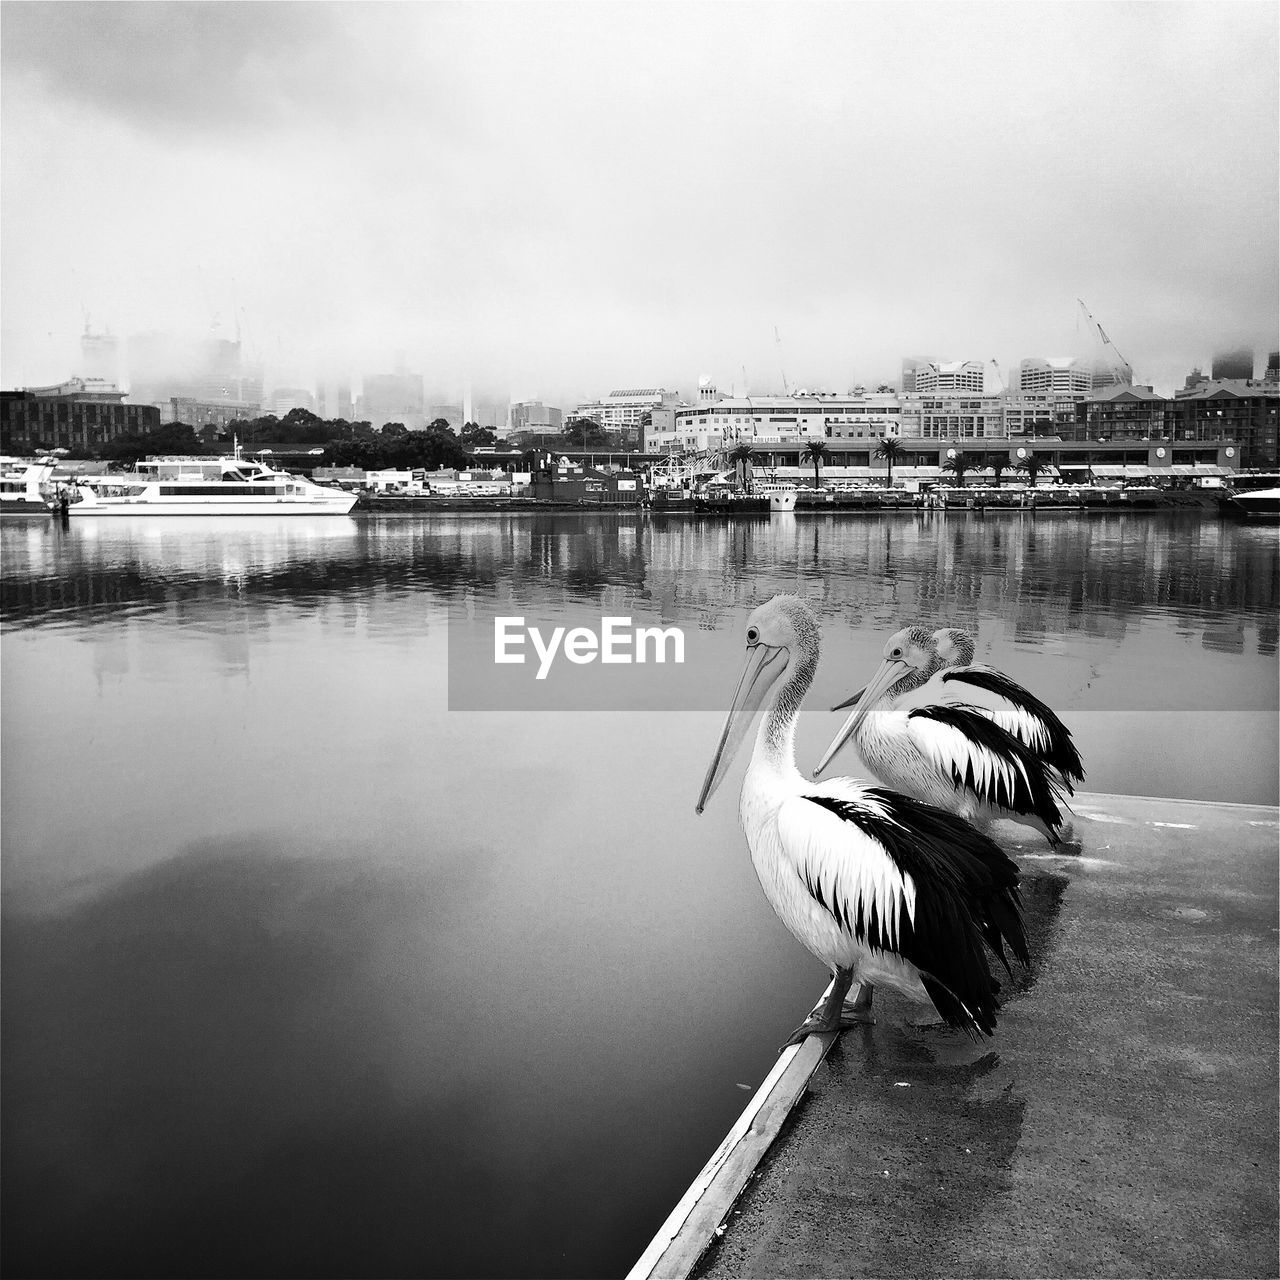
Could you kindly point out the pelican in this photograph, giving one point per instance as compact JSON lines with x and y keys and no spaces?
{"x":1015,"y":709}
{"x":880,"y":887}
{"x":954,"y":755}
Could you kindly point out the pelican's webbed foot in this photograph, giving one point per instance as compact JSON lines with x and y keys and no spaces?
{"x":835,"y":1014}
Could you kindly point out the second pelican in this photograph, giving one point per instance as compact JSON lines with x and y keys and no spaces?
{"x":881,"y":888}
{"x":946,"y":753}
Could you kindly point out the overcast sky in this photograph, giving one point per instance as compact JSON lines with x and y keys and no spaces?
{"x":561,"y":199}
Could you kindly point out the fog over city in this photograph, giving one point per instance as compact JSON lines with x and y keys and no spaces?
{"x":557,"y":200}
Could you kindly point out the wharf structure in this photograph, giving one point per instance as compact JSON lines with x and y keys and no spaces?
{"x":1121,"y":1122}
{"x":1242,"y":416}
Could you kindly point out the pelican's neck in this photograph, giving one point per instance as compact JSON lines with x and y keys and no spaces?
{"x":776,"y":737}
{"x":909,"y":683}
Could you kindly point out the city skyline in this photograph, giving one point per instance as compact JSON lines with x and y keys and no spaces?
{"x":558,"y":201}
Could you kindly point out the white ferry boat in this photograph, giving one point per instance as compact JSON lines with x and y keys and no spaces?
{"x":782,"y":496}
{"x":24,"y":486}
{"x":226,"y":486}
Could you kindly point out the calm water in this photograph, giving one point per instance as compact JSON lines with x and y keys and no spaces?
{"x":308,"y":974}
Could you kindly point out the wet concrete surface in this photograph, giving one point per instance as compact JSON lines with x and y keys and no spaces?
{"x":1122,"y":1121}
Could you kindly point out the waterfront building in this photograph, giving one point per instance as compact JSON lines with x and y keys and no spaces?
{"x":730,"y":419}
{"x":1059,"y":375}
{"x":1026,"y":414}
{"x":393,"y":397}
{"x":623,"y":410}
{"x":576,"y":482}
{"x":711,"y":424}
{"x":947,"y":417}
{"x":920,"y":462}
{"x":1234,"y":365}
{"x":1121,"y":413}
{"x":660,"y":426}
{"x":79,"y":414}
{"x":1229,"y":411}
{"x":949,"y":378}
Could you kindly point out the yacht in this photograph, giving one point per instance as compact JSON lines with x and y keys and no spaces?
{"x":1256,"y":493}
{"x":24,"y":486}
{"x":226,"y":486}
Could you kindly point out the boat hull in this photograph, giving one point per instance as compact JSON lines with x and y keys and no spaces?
{"x":24,"y":509}
{"x":274,"y":507}
{"x":1258,"y":504}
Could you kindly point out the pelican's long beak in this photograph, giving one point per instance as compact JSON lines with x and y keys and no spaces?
{"x":850,"y":700}
{"x":891,"y":671}
{"x":764,"y":665}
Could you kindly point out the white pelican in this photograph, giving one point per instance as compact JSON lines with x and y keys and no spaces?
{"x":950,"y":754}
{"x":880,"y":887}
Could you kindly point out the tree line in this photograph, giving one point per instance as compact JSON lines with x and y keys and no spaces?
{"x":346,"y":444}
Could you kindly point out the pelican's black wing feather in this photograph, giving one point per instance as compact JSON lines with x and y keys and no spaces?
{"x":966,"y":893}
{"x":1061,"y":751}
{"x":1027,"y":790}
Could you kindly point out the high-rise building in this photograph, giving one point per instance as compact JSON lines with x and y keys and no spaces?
{"x":910,"y":367}
{"x":1230,"y":365}
{"x":1272,"y":376}
{"x":333,"y":399}
{"x":1055,"y":376}
{"x":99,"y":356}
{"x":949,"y":378}
{"x":453,"y":414}
{"x":285,"y":399}
{"x":163,"y":366}
{"x":393,"y":397}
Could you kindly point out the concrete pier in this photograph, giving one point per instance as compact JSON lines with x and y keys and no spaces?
{"x":1122,"y":1121}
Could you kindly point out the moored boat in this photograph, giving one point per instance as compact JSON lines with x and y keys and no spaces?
{"x":1258,"y":503}
{"x":1255,"y":494}
{"x":224,"y":486}
{"x":23,"y":486}
{"x":782,"y":497}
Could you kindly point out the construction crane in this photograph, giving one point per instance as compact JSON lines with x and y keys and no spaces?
{"x":1118,"y":364}
{"x":1004,"y":386}
{"x":777,"y":337}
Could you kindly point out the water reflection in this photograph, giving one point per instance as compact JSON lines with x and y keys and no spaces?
{"x":1041,"y":576}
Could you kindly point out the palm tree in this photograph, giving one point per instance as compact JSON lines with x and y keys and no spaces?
{"x":817,"y":451}
{"x":888,"y":449}
{"x":958,"y":465}
{"x":741,"y":455}
{"x":999,"y":464}
{"x":1033,"y":466}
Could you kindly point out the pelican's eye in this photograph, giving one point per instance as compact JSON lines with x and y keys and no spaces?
{"x":897,"y":653}
{"x":753,"y":635}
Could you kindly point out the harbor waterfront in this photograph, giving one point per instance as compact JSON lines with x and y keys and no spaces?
{"x":309,"y":974}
